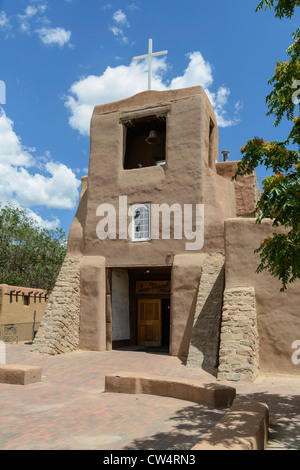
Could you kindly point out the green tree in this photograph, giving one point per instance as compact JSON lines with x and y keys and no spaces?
{"x":30,"y":256}
{"x":282,"y":7}
{"x":280,"y":254}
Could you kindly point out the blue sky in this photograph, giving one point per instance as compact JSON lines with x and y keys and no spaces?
{"x":60,"y":58}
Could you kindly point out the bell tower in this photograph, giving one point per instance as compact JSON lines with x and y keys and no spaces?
{"x":151,"y":210}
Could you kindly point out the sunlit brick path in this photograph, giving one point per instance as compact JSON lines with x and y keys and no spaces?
{"x":68,"y":409}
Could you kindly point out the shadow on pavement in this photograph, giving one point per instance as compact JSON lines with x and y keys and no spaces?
{"x":192,"y":422}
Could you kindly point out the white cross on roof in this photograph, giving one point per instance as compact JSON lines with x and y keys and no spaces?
{"x":149,"y":57}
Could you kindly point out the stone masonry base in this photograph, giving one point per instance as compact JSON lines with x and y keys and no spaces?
{"x":239,"y":344}
{"x":59,"y":330}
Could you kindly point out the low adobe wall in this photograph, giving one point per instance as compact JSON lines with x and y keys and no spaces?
{"x":16,"y":374}
{"x":215,"y":395}
{"x":244,"y":427}
{"x":278,"y":320}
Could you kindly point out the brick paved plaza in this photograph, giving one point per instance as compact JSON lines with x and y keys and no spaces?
{"x":69,"y":410}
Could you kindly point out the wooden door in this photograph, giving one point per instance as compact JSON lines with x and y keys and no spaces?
{"x":149,"y":322}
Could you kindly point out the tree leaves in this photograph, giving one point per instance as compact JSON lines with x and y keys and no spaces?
{"x":285,"y":80}
{"x":280,"y":199}
{"x":283,"y":8}
{"x":280,"y":255}
{"x":30,"y":256}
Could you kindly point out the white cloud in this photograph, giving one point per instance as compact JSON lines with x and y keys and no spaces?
{"x":120,"y":20}
{"x":49,"y":224}
{"x":198,"y":72}
{"x":30,"y":182}
{"x":219,"y":100}
{"x":120,"y":82}
{"x":34,"y":20}
{"x":32,"y":13}
{"x":5,"y":24}
{"x":11,"y":150}
{"x":115,"y":30}
{"x":54,"y":36}
{"x":107,"y":6}
{"x":133,"y":6}
{"x":120,"y":17}
{"x":57,"y":190}
{"x":115,"y":84}
{"x":4,"y":21}
{"x":118,"y":32}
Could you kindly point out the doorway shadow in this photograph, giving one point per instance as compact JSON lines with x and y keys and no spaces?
{"x":147,"y":349}
{"x":155,"y":350}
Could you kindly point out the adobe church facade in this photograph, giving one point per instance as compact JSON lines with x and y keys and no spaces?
{"x":161,"y":249}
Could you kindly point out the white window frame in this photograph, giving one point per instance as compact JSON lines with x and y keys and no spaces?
{"x":134,"y":208}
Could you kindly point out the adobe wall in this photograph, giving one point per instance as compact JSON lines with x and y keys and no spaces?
{"x":244,"y":187}
{"x":75,"y":238}
{"x":120,"y":305}
{"x":278,"y":319}
{"x":219,"y":205}
{"x":186,"y":274}
{"x":168,"y":184}
{"x":12,"y":305}
{"x":204,"y":340}
{"x":16,"y":318}
{"x":188,"y":177}
{"x":92,"y":292}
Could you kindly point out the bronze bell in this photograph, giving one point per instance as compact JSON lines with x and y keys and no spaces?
{"x":153,"y":138}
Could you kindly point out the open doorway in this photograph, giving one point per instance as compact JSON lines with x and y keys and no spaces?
{"x":153,"y":323}
{"x":150,"y":308}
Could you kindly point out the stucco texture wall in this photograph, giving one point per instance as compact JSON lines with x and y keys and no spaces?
{"x":188,"y":177}
{"x":278,"y":315}
{"x":18,"y":317}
